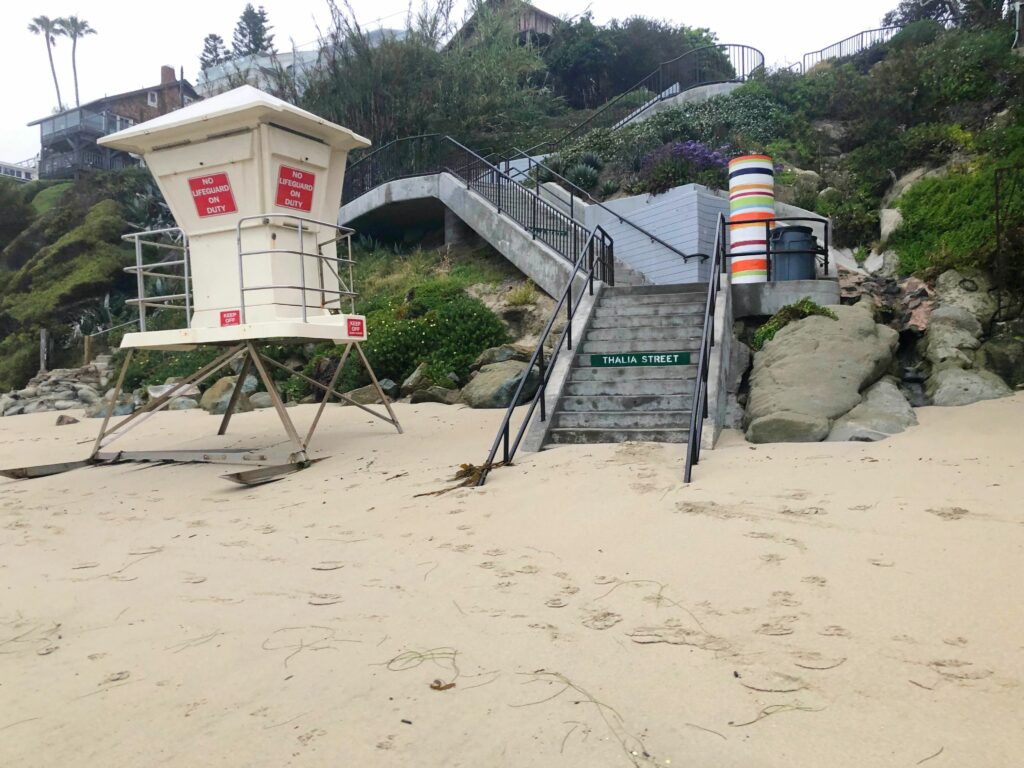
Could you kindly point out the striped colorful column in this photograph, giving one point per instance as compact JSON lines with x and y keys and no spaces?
{"x":751,"y":197}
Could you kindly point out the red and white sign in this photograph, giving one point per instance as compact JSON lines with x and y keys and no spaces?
{"x":295,"y":188}
{"x":356,"y":328}
{"x":212,"y":195}
{"x":230,"y":317}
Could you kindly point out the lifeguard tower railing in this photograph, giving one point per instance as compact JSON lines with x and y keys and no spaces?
{"x":164,"y":281}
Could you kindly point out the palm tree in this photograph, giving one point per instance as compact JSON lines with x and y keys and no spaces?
{"x":74,"y":28}
{"x":49,"y":29}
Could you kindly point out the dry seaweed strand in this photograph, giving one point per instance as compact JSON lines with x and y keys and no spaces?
{"x":774,"y":709}
{"x":632,"y":745}
{"x":926,"y":759}
{"x":444,"y":657}
{"x":468,"y":474}
{"x":659,"y":597}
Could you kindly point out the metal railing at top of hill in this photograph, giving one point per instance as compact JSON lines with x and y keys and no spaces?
{"x":699,"y":407}
{"x":711,"y":64}
{"x":434,"y":153}
{"x":536,"y":167}
{"x":848,"y":47}
{"x":596,"y":261}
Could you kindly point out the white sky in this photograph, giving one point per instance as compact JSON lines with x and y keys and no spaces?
{"x":135,"y":38}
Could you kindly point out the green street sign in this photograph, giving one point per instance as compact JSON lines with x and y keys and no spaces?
{"x":631,"y":359}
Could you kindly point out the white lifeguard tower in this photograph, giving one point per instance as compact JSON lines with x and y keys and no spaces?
{"x":254,"y":184}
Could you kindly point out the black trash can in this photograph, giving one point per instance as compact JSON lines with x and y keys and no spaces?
{"x":794,"y":250}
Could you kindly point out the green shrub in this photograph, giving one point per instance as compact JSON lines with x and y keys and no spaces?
{"x":788,"y":314}
{"x":47,"y":197}
{"x":524,"y":295}
{"x":583,"y":176}
{"x":593,"y":160}
{"x":608,"y":188}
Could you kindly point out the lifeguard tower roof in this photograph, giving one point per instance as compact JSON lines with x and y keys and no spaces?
{"x":238,"y":109}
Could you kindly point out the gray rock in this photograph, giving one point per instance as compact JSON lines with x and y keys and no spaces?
{"x":215,"y":399}
{"x":816,"y":368}
{"x":884,"y":411}
{"x":15,"y":410}
{"x":952,"y":337}
{"x":890,"y":219}
{"x":787,"y":427}
{"x":98,"y":410}
{"x":1004,"y":356}
{"x":87,"y":394}
{"x":884,"y":264}
{"x":250,"y":385}
{"x":417,"y":380}
{"x":37,"y":406}
{"x":495,"y":384}
{"x":65,"y":405}
{"x":969,"y":290}
{"x":6,"y":401}
{"x":27,"y":393}
{"x":501,"y":354}
{"x":364,"y":395}
{"x":182,"y":404}
{"x":391,"y":389}
{"x":260,"y":400}
{"x":435,"y":395}
{"x":159,"y":390}
{"x":955,"y":386}
{"x":63,"y":420}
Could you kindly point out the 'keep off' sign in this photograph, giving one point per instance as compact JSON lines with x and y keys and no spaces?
{"x":356,"y":327}
{"x":212,"y":195}
{"x":295,"y":188}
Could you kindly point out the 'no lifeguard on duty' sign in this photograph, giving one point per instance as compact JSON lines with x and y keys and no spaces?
{"x":632,"y":359}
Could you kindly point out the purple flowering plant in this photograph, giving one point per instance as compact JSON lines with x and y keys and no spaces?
{"x":684,"y":162}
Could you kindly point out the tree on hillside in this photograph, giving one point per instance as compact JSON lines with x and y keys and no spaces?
{"x":74,"y":27}
{"x":49,"y":29}
{"x":968,"y":13}
{"x":252,"y":33}
{"x":214,"y":51}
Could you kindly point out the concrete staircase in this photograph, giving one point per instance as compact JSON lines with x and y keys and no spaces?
{"x":644,"y":403}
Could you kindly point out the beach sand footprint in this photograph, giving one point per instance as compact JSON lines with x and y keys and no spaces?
{"x":672,"y":632}
{"x":600,"y":620}
{"x":950,"y":513}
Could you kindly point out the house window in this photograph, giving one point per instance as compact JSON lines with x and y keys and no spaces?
{"x":151,"y":98}
{"x":188,"y":100}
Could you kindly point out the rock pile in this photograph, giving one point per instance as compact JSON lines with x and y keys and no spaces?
{"x":59,"y":390}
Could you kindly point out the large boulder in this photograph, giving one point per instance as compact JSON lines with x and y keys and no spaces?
{"x":495,"y":384}
{"x":813,"y":371}
{"x":1004,"y":356}
{"x":501,"y":354}
{"x":182,"y":404}
{"x":953,"y":335}
{"x":418,"y":379}
{"x":435,"y":395}
{"x":367,"y":395}
{"x":884,"y":411}
{"x":955,"y":386}
{"x":215,"y":400}
{"x":971,"y":291}
{"x":261,"y":400}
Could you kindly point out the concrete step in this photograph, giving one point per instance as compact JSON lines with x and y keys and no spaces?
{"x":590,"y":403}
{"x":560,"y":436}
{"x":648,"y":321}
{"x":631,"y":387}
{"x":606,"y":347}
{"x":616,"y":298}
{"x":648,"y":290}
{"x":643,"y":334}
{"x":693,"y":309}
{"x":637,"y":373}
{"x":622,"y":420}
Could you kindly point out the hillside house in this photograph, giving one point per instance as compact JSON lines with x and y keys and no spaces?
{"x":532,"y":25}
{"x":68,"y":139}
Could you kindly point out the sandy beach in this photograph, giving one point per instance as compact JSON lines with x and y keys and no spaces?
{"x":844,"y":604}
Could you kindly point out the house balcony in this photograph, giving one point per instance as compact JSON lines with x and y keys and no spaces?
{"x":66,"y":165}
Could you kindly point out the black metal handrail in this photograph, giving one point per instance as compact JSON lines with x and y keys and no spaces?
{"x":576,"y":191}
{"x":711,"y":64}
{"x":598,"y":256}
{"x":434,"y":153}
{"x":851,"y":45}
{"x":699,"y":408}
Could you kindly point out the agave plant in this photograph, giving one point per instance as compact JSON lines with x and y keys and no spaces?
{"x":583,"y":176}
{"x":593,"y":160}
